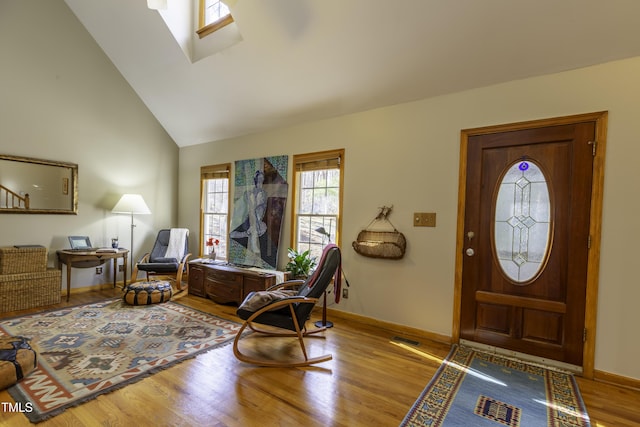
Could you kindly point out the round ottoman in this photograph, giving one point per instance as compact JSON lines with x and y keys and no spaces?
{"x":17,"y":360}
{"x":144,"y":293}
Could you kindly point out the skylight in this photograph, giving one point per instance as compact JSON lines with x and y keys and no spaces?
{"x":214,"y":14}
{"x":214,"y":10}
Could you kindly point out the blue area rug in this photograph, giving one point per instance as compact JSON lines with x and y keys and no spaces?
{"x":473,"y":388}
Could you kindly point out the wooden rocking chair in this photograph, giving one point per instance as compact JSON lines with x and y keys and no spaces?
{"x":289,"y":313}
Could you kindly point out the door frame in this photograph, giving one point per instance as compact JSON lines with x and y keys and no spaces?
{"x":595,"y":219}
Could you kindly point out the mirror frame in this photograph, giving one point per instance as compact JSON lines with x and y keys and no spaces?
{"x":73,"y":186}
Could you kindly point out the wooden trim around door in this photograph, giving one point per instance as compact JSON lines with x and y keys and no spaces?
{"x":597,"y":190}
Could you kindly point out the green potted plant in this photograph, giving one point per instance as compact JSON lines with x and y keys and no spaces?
{"x":300,"y":263}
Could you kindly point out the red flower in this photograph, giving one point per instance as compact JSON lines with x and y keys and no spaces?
{"x":210,"y":242}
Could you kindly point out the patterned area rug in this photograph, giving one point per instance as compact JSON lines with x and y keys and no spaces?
{"x":473,"y":388}
{"x":89,"y":350}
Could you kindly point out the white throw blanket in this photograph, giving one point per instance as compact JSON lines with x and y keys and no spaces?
{"x":177,"y":240}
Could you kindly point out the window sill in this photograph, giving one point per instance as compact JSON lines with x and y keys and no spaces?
{"x":215,"y":26}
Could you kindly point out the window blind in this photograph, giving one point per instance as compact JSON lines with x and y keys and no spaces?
{"x":214,"y":172}
{"x":317,"y":162}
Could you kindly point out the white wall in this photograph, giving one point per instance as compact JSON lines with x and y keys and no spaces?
{"x":62,"y":99}
{"x":408,"y":156}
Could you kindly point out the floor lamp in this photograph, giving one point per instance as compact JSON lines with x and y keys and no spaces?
{"x":324,"y":323}
{"x":132,"y":204}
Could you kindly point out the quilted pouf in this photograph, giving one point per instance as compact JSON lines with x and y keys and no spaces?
{"x":17,"y":360}
{"x":144,"y":293}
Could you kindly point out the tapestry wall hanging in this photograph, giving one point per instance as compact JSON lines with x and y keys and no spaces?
{"x":258,"y":210}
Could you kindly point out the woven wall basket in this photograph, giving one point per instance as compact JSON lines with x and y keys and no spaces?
{"x":379,"y":243}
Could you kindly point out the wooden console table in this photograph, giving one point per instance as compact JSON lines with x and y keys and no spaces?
{"x":91,"y":259}
{"x":226,"y":284}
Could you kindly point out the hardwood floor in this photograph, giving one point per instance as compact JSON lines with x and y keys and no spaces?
{"x":371,"y":381}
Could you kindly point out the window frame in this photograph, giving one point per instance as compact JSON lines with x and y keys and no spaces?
{"x":205,"y":29}
{"x":317,"y":158}
{"x":207,"y":173}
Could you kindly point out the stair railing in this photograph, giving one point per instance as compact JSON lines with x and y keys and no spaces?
{"x":13,"y":200}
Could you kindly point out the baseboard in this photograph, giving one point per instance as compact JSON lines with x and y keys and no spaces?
{"x":109,"y":285}
{"x":392,"y":328}
{"x":91,"y":288}
{"x":396,"y":329}
{"x":617,"y":380}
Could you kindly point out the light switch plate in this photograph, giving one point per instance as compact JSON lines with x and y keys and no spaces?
{"x":424,"y":219}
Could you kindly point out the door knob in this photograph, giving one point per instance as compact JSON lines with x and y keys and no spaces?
{"x":470,"y":252}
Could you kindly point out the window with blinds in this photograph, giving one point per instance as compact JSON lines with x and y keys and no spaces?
{"x":317,"y":200}
{"x":214,"y":211}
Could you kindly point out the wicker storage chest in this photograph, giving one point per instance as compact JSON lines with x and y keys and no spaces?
{"x":23,"y":259}
{"x":28,"y":290}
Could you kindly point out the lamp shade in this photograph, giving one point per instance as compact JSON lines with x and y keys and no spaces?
{"x":131,"y":204}
{"x":157,"y":4}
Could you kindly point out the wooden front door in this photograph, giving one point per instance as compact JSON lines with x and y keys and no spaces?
{"x":526,"y":239}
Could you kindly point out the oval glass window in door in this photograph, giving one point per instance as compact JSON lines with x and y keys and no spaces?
{"x":522,"y":224}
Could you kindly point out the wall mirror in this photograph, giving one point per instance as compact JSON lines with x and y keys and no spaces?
{"x":37,"y":186}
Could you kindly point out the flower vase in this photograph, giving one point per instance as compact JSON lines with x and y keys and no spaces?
{"x":212,"y":254}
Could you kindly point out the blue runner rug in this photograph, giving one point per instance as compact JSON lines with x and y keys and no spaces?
{"x":472,"y":388}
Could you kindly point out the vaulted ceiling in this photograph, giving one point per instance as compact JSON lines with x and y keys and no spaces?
{"x":301,"y":60}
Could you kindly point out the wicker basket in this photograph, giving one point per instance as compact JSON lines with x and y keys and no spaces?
{"x":23,"y":260}
{"x":376,"y":243}
{"x":380,"y":244}
{"x":28,"y":290}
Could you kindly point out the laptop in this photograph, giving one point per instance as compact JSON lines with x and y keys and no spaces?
{"x":81,"y":244}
